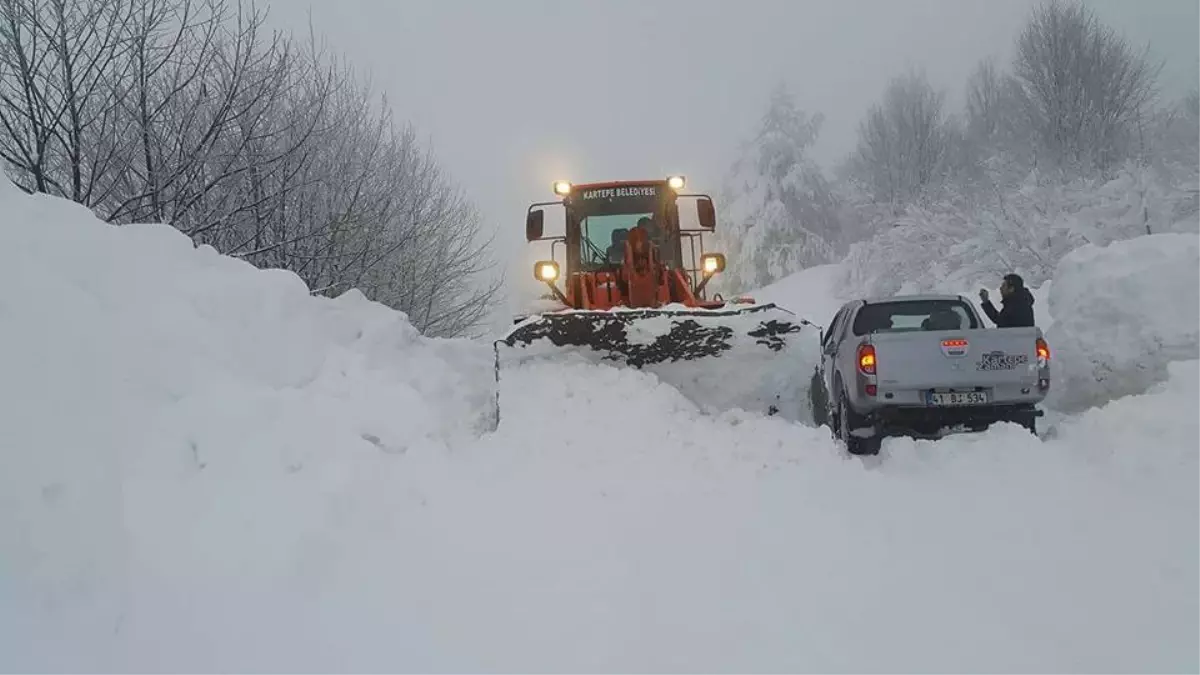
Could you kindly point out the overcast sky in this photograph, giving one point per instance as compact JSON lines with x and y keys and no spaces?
{"x":513,"y":94}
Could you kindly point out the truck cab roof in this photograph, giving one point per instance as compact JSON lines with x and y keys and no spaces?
{"x":917,"y":311}
{"x":928,"y":297}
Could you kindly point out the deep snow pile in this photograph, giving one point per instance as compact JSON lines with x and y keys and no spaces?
{"x":205,"y":469}
{"x":813,"y":293}
{"x":1124,"y":311}
{"x":162,"y":405}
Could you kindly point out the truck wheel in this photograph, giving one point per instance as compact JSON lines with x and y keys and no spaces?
{"x":849,"y":422}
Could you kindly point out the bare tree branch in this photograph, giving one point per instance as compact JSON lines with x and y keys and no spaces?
{"x":904,"y":143}
{"x":191,"y":112}
{"x":1085,"y":88}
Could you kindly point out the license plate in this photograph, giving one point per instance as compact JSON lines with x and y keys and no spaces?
{"x":956,"y":397}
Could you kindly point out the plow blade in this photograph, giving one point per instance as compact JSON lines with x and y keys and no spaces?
{"x":757,"y":358}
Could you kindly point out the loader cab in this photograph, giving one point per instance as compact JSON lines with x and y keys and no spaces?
{"x":598,"y":218}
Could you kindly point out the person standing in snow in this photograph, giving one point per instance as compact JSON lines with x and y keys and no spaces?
{"x":1017,"y":303}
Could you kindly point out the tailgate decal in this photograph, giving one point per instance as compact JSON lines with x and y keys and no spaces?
{"x":999,"y":360}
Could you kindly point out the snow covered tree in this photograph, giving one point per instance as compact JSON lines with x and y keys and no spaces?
{"x":1063,"y":149}
{"x":1086,"y":90}
{"x":1027,"y":229}
{"x":1191,"y":104}
{"x":905,"y":143}
{"x":986,"y":112}
{"x":779,"y":213}
{"x":996,"y":123}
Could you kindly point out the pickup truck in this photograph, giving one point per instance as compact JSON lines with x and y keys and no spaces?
{"x":919,"y":365}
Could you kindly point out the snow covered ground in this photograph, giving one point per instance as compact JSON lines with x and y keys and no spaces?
{"x":202,"y":468}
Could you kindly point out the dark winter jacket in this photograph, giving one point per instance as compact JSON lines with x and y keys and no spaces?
{"x":1017,"y":310}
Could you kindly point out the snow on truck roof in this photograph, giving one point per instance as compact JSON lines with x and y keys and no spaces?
{"x":881,"y":300}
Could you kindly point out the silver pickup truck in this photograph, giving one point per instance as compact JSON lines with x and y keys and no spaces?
{"x":919,"y":365}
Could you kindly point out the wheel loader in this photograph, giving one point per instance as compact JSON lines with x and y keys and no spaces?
{"x":632,"y":290}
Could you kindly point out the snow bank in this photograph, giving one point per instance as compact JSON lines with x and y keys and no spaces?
{"x":161,"y":406}
{"x":1122,"y":313}
{"x":814,"y":293}
{"x":204,"y":469}
{"x":1146,"y":434}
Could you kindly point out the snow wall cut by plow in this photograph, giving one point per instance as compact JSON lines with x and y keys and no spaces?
{"x":757,"y":358}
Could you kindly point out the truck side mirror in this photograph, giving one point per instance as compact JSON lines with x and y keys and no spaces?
{"x":534,"y":225}
{"x":708,"y":215}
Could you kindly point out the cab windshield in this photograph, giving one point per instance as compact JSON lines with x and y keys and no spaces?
{"x":604,"y":236}
{"x":606,"y":217}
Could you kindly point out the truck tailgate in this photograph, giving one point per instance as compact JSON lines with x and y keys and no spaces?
{"x":983,"y":357}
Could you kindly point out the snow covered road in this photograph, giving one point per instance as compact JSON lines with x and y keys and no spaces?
{"x":204,"y":469}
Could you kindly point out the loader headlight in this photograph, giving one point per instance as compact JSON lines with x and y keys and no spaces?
{"x":562,"y":188}
{"x":676,"y":182}
{"x":712,"y":263}
{"x":545,"y":270}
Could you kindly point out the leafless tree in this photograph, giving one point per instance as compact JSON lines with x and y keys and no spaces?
{"x":995,"y":115}
{"x":1191,"y":103}
{"x":190,"y":112}
{"x":58,"y":60}
{"x":984,"y":94}
{"x":904,"y":143}
{"x":363,"y":206}
{"x":1085,"y":88}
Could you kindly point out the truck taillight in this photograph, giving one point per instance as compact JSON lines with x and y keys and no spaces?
{"x":866,"y":359}
{"x":1043,"y":352}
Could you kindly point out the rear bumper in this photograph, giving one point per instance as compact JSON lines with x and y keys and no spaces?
{"x":1008,"y":394}
{"x":905,"y":411}
{"x":925,"y":420}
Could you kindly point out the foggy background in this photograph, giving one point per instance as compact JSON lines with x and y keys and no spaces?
{"x":513,"y":95}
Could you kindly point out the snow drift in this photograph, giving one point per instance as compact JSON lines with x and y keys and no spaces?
{"x":813,"y":293}
{"x":162,"y":403}
{"x":202,"y":468}
{"x":1123,"y":312}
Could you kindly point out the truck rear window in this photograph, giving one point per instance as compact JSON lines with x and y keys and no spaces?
{"x":914,"y":315}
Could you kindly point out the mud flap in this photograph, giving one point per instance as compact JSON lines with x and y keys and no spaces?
{"x":757,"y":358}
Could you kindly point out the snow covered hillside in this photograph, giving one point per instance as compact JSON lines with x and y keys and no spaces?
{"x":203,"y":468}
{"x":813,"y":293}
